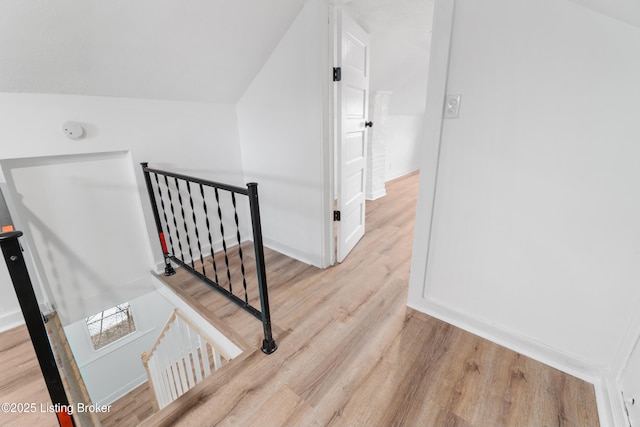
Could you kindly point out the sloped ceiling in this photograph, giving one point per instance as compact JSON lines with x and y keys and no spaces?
{"x":202,"y":50}
{"x":400,"y":43}
{"x":192,"y":50}
{"x":627,"y":11}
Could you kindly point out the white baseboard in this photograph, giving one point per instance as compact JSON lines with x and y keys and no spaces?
{"x":293,"y":253}
{"x":609,"y":400}
{"x":399,"y":174}
{"x":523,"y":345}
{"x":206,"y":251}
{"x":376,"y":194}
{"x":122,"y":391}
{"x":11,"y":320}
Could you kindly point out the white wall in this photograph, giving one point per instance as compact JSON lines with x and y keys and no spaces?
{"x":81,"y":216}
{"x":535,"y":232}
{"x":201,"y":139}
{"x":403,"y":138}
{"x":399,"y":63}
{"x":10,"y":313}
{"x":114,"y":370}
{"x":284,"y":138}
{"x":205,"y":50}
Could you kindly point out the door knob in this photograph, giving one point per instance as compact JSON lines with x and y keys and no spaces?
{"x":368,"y":124}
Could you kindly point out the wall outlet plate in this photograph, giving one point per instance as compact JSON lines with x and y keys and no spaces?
{"x":452,"y":106}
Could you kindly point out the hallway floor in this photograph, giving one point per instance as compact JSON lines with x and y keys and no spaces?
{"x":351,"y":353}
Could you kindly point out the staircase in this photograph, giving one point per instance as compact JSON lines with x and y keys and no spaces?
{"x":181,"y":357}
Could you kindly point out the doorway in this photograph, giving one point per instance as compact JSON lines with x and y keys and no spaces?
{"x":397,"y":54}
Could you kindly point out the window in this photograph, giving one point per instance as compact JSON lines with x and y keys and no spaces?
{"x":110,"y":325}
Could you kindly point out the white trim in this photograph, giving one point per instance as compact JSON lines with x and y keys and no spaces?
{"x":268,"y":243}
{"x":327,"y":87}
{"x":529,"y":347}
{"x":400,"y":174}
{"x":206,"y":251}
{"x":11,"y":320}
{"x":431,"y":139}
{"x":293,"y":253}
{"x":112,"y":347}
{"x":630,"y":340}
{"x":376,"y":195}
{"x":225,"y":345}
{"x":122,"y":391}
{"x":611,"y":409}
{"x":329,"y":166}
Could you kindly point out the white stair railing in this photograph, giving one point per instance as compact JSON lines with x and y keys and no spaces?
{"x":181,"y":357}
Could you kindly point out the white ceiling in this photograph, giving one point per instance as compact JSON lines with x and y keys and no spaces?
{"x":191,"y":50}
{"x":623,"y":10}
{"x":201,"y":50}
{"x":400,"y":46}
{"x":194,"y":50}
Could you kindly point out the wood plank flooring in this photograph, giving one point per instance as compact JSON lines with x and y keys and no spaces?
{"x":21,"y":381}
{"x":131,"y":409}
{"x":350,"y":353}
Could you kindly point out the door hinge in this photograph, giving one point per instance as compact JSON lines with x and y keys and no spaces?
{"x":337,"y":74}
{"x":336,"y":215}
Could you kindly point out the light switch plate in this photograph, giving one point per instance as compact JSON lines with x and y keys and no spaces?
{"x":452,"y":106}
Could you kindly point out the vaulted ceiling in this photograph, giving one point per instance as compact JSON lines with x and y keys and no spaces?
{"x":201,"y":50}
{"x":191,"y":50}
{"x":194,"y":50}
{"x":627,"y":11}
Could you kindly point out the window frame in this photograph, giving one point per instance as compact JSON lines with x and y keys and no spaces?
{"x":123,"y":340}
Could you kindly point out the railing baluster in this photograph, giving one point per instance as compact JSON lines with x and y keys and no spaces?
{"x":206,"y":215}
{"x":164,"y":212}
{"x":184,"y":223}
{"x":244,"y":279}
{"x":175,"y":222}
{"x":195,"y":226}
{"x":205,"y":357}
{"x":224,"y":242}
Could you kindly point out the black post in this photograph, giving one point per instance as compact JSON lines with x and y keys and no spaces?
{"x":35,"y":325}
{"x":168,"y":268}
{"x":268,"y":344}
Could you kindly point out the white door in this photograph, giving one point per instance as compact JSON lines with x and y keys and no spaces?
{"x":630,"y":386}
{"x":352,"y":104}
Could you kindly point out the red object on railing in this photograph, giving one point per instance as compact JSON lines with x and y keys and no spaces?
{"x":64,"y":419}
{"x":163,"y":243}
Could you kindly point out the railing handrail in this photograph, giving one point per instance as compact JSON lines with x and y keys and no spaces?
{"x":177,"y":314}
{"x":206,"y":182}
{"x":179,"y":360}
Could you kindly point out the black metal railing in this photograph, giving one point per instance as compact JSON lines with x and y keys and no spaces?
{"x":34,"y":320}
{"x":190,"y":216}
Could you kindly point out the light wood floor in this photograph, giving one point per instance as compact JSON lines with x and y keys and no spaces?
{"x":350,"y":353}
{"x":21,"y":380}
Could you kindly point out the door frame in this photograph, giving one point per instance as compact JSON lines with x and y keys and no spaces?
{"x":328,"y":147}
{"x":330,"y":191}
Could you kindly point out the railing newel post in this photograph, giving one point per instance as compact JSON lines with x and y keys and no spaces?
{"x":168,"y":268}
{"x":12,"y":252}
{"x":268,"y":344}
